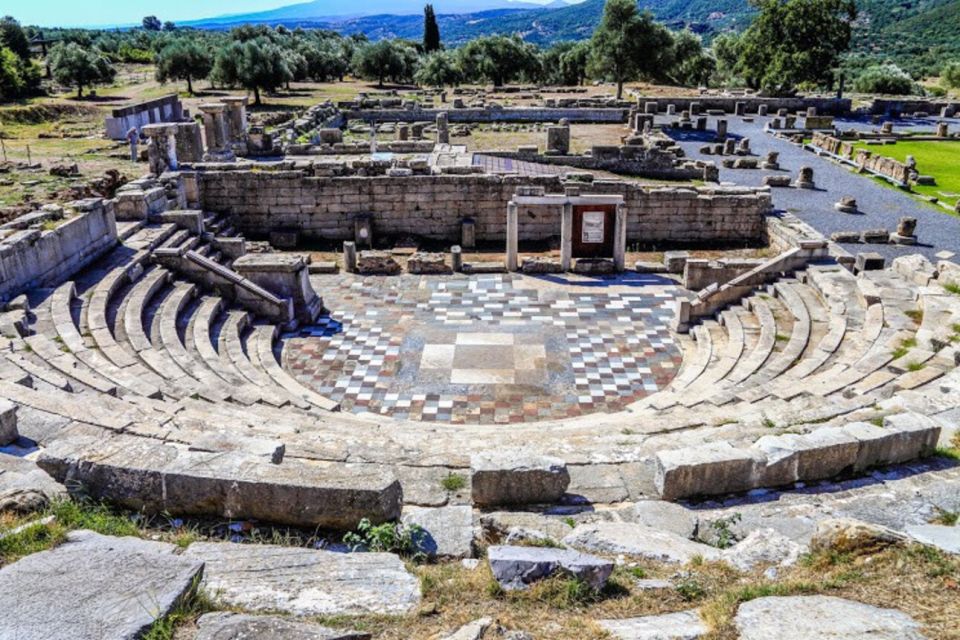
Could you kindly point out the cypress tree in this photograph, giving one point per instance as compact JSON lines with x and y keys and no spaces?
{"x":431,"y":32}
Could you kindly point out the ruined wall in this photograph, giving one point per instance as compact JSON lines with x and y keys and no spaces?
{"x":505,"y":114}
{"x":824,"y":106}
{"x":34,"y":258}
{"x":434,"y":205}
{"x":866,"y":160}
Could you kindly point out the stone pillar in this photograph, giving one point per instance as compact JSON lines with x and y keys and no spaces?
{"x":363,"y":230}
{"x":811,"y":112}
{"x":772,"y":161}
{"x":512,"y":237}
{"x":694,"y":108}
{"x":743,"y":147}
{"x":671,"y":109}
{"x":216,"y":130}
{"x":886,"y":128}
{"x":236,"y":118}
{"x":566,"y":236}
{"x":763,"y":109}
{"x":403,"y":133}
{"x":620,"y":237}
{"x":468,"y":233}
{"x":189,"y":142}
{"x":162,"y":147}
{"x":729,"y":147}
{"x":721,"y":129}
{"x":651,"y":107}
{"x":740,"y":109}
{"x":558,"y":140}
{"x":350,"y":257}
{"x":943,"y":130}
{"x":443,"y":129}
{"x":805,"y":178}
{"x":456,"y":258}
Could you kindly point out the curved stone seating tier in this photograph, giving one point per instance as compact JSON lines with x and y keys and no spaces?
{"x":156,"y":394}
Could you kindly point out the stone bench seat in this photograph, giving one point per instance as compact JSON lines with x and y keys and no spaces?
{"x":261,"y":343}
{"x":230,"y":349}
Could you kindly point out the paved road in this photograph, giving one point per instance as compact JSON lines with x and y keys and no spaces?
{"x":880,"y":206}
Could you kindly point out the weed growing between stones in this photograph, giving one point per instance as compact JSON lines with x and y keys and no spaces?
{"x":454,"y":482}
{"x":391,"y":537}
{"x":194,"y":604}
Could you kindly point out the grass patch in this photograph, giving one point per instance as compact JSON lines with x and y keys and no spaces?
{"x":915,"y":366}
{"x":952,"y":287}
{"x":946,"y":518}
{"x":192,"y":606}
{"x":934,"y":158}
{"x":914,"y":314}
{"x":904,"y":348}
{"x":454,"y":482}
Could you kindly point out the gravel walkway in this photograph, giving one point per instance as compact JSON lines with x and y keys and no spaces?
{"x":880,"y":206}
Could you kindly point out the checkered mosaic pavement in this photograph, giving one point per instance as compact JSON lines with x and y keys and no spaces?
{"x":484,"y":349}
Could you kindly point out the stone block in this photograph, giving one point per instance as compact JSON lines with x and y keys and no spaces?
{"x":824,"y":453}
{"x":447,"y":532}
{"x":868,"y":261}
{"x":377,"y":263}
{"x":516,"y":478}
{"x":428,"y":263}
{"x":224,"y":625}
{"x":517,"y":568}
{"x":305,"y":582}
{"x":104,"y":587}
{"x":141,"y":474}
{"x":711,"y":469}
{"x":8,"y":422}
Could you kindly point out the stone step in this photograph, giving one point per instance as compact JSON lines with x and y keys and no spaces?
{"x":261,"y":343}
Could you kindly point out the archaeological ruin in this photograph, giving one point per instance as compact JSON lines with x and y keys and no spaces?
{"x":348,"y":319}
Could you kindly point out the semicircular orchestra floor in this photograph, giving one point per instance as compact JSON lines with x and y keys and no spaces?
{"x":487,"y":349}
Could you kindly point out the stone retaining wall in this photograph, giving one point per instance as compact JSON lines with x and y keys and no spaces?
{"x":506,"y":114}
{"x":649,"y":163}
{"x":824,"y":106}
{"x":865,"y":160}
{"x":434,"y":206}
{"x":888,"y":106}
{"x":35,"y":258}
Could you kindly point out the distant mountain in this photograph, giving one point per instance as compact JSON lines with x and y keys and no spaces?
{"x":333,"y":10}
{"x":919,"y":35}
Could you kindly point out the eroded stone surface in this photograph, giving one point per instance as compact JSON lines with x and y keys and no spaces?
{"x":517,"y":477}
{"x":637,"y":540}
{"x":519,"y":567}
{"x":24,"y":486}
{"x":238,"y":626}
{"x":305,"y":582}
{"x":822,"y":617}
{"x":684,"y":625}
{"x":100,"y":588}
{"x":446,"y":532}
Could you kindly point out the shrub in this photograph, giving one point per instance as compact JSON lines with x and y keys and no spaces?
{"x":885,"y":78}
{"x":390,"y":537}
{"x":950,"y":76}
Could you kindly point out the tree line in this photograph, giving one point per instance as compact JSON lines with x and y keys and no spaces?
{"x":790,"y":45}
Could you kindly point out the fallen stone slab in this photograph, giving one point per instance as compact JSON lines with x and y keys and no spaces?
{"x":471,"y":631}
{"x":305,"y":582}
{"x":519,"y":567}
{"x":940,"y":536}
{"x":665,"y":516}
{"x":446,"y":532}
{"x":762,"y":547}
{"x":501,"y":525}
{"x":683,"y":625}
{"x":823,"y":617}
{"x":98,"y":589}
{"x":8,"y":422}
{"x":238,"y":626}
{"x":637,"y":540}
{"x":145,"y":475}
{"x":25,"y":487}
{"x":517,"y":477}
{"x":848,"y":535}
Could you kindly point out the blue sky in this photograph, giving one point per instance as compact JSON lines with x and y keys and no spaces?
{"x":119,"y":12}
{"x":98,"y":12}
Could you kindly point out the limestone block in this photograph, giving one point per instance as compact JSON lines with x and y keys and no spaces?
{"x":8,"y":422}
{"x":447,"y":532}
{"x":518,"y":567}
{"x":824,"y":453}
{"x":805,"y":617}
{"x":517,"y":477}
{"x":24,"y":487}
{"x":428,"y":263}
{"x":105,"y":587}
{"x":711,"y":469}
{"x":625,"y":538}
{"x":223,"y":625}
{"x":305,"y":582}
{"x":683,"y":625}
